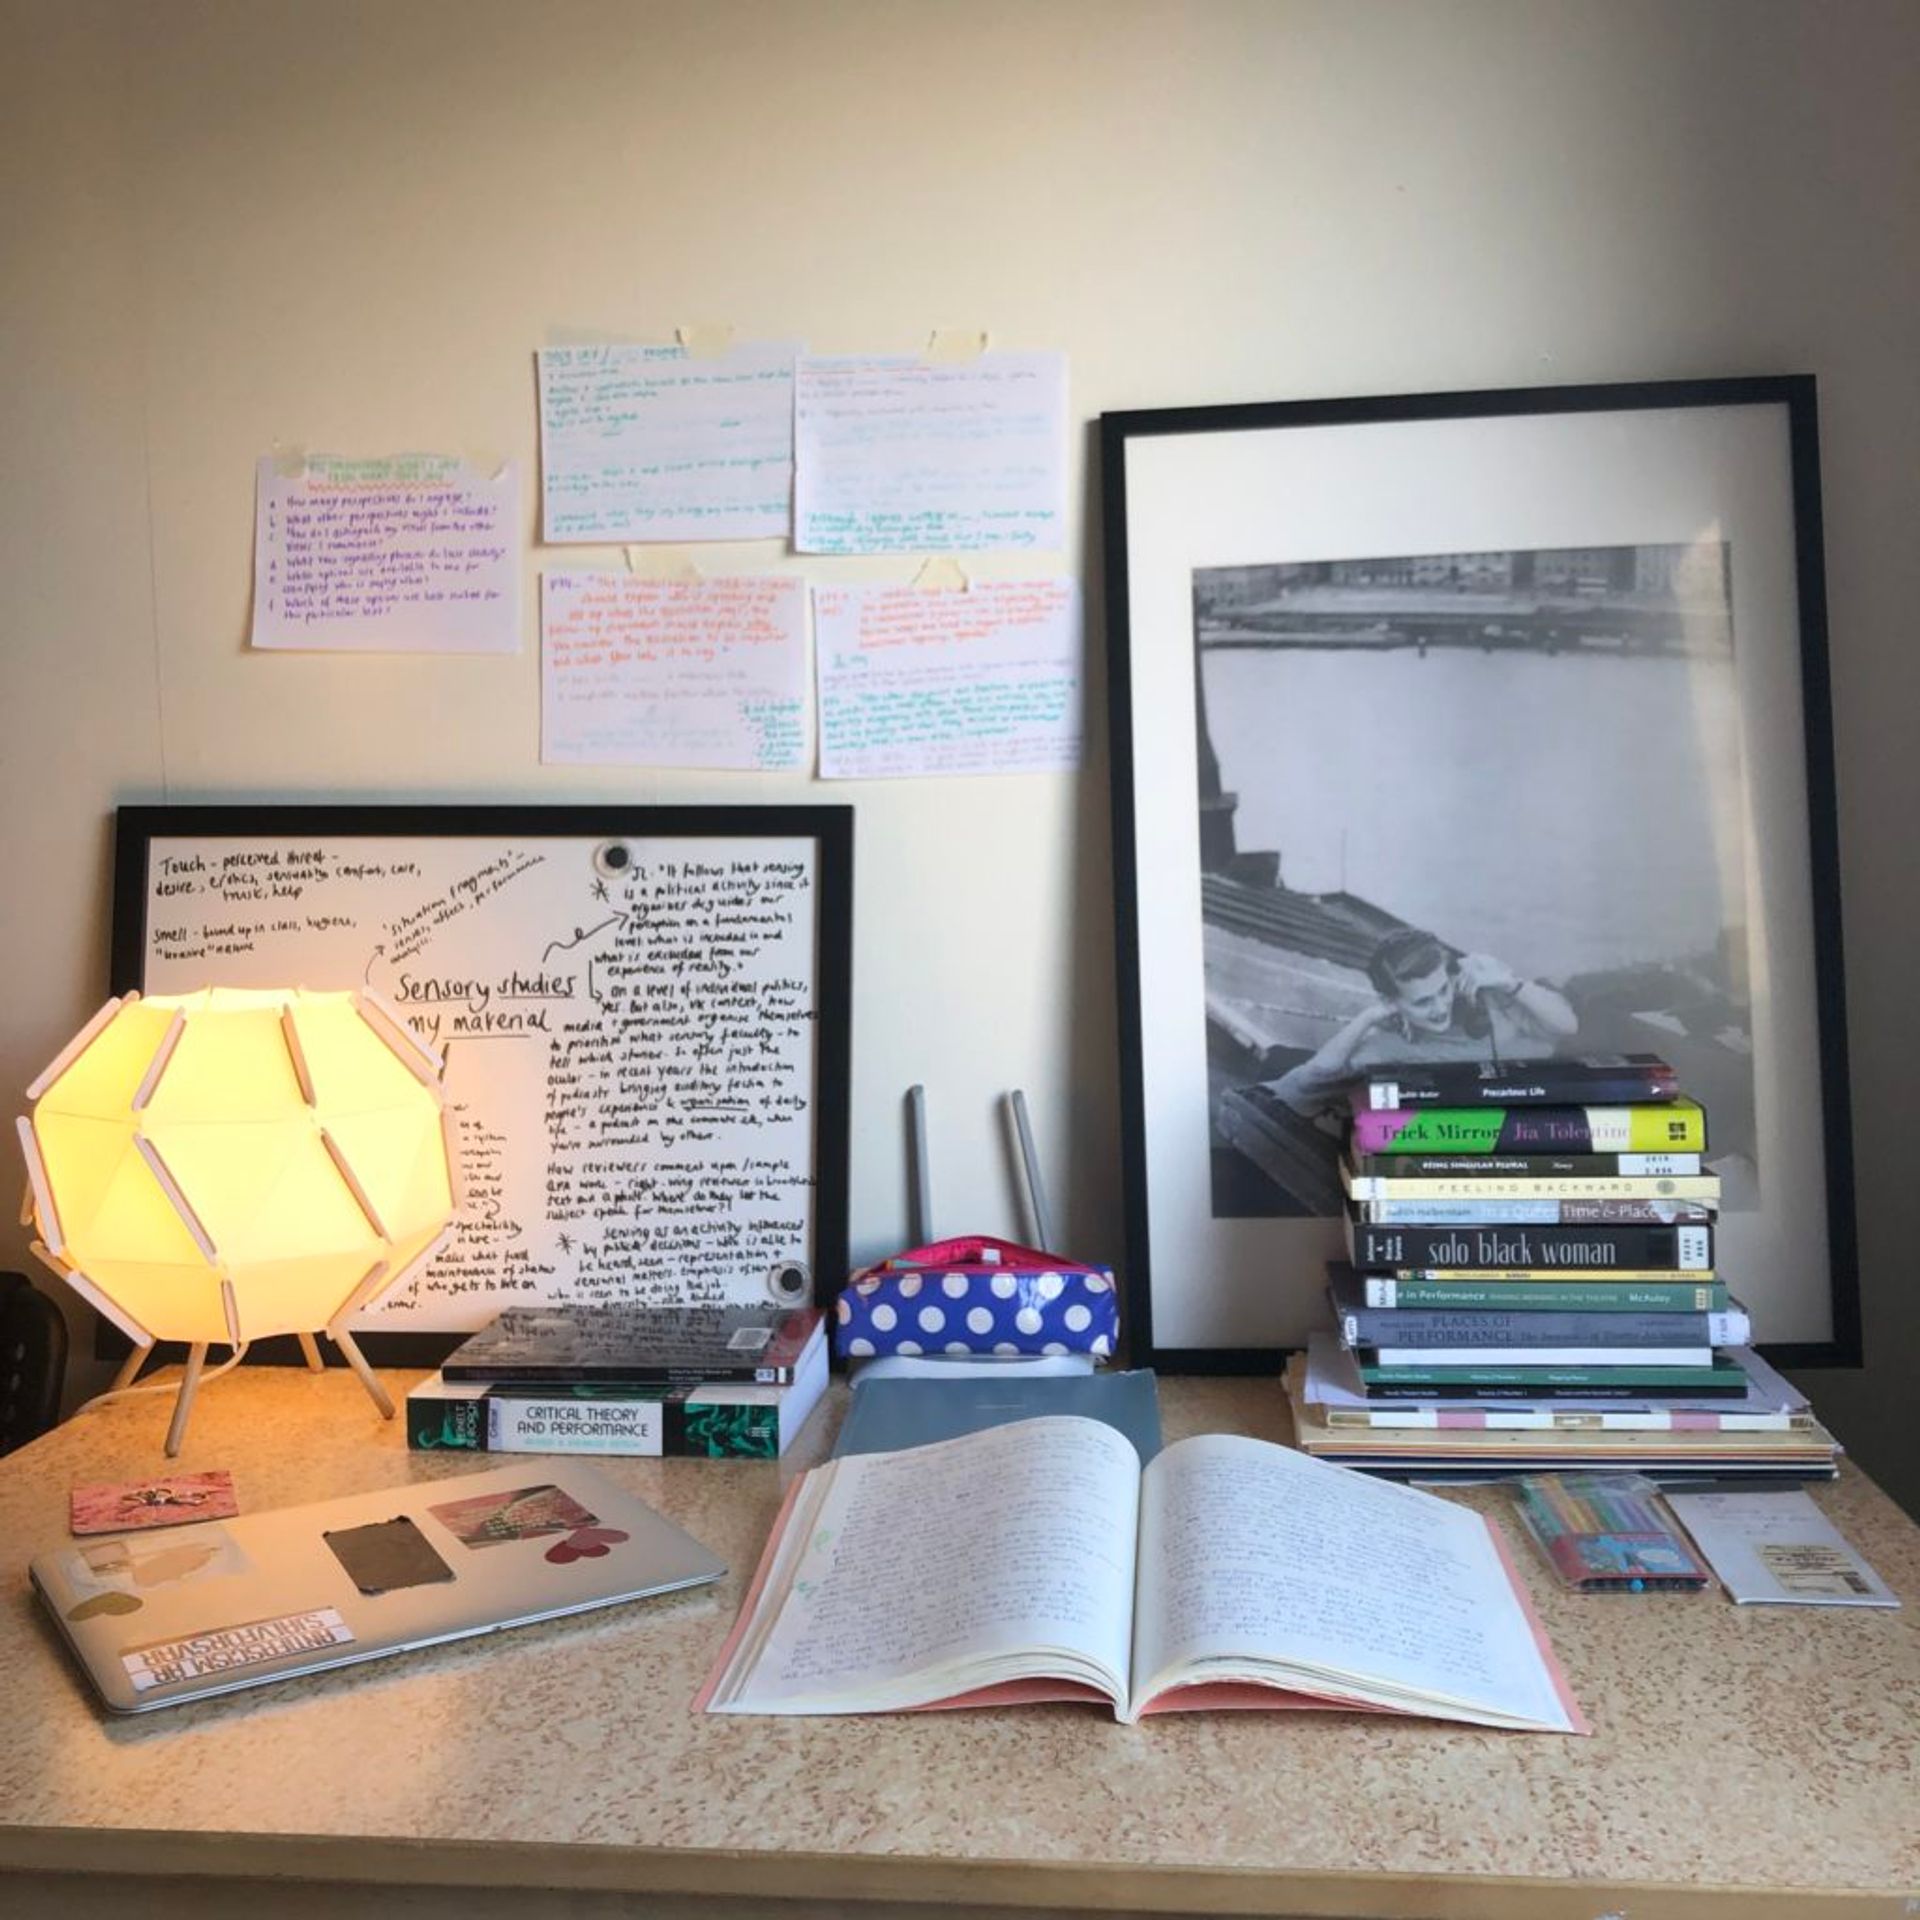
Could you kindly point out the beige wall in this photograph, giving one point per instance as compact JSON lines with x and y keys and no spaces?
{"x":347,"y":226}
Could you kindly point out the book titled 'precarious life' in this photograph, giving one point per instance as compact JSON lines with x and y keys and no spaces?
{"x":1613,"y":1079}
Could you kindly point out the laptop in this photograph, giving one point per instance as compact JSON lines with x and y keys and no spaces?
{"x":181,"y":1613}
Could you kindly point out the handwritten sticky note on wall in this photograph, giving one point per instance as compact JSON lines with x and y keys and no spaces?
{"x":987,"y":681}
{"x":410,"y":553}
{"x":649,"y":443}
{"x":672,"y":673}
{"x":898,"y":455}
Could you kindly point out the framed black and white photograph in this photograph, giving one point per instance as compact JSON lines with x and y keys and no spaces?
{"x":1469,"y":727}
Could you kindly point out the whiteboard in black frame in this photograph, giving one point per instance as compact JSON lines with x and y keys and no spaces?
{"x":644,"y":1013}
{"x":1539,"y":672}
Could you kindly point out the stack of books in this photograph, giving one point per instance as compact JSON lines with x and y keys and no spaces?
{"x":713,"y":1383}
{"x":1532,"y":1280}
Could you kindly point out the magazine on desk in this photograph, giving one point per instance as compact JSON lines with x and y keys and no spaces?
{"x":1040,"y":1561}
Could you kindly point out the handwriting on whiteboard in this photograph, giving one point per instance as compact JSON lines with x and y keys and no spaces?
{"x":407,"y":553}
{"x":648,"y":443}
{"x":630,"y":1055}
{"x":898,"y":455}
{"x":986,"y":681}
{"x":673,"y":673}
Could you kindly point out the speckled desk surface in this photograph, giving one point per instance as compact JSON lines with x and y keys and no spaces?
{"x":1750,"y":1761}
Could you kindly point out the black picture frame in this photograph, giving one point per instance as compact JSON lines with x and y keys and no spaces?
{"x":1269,"y":501}
{"x":827,"y":830}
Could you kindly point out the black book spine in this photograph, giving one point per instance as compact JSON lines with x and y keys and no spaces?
{"x":1562,"y":1082}
{"x":1531,"y":1249}
{"x":626,"y":1374}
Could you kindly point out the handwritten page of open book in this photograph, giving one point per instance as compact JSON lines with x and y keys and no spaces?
{"x":894,"y":454}
{"x":650,"y":443}
{"x":1251,"y":1551}
{"x":408,"y":553}
{"x":673,"y":673}
{"x":986,"y":681}
{"x":958,"y":1560}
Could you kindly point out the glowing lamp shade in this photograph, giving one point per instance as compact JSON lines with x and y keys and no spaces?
{"x":229,"y":1164}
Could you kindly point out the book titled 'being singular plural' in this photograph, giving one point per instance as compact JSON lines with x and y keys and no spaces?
{"x":636,"y":1346}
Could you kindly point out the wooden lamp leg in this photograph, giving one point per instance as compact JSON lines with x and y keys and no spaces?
{"x":130,"y":1367}
{"x":311,"y":1348}
{"x":196,"y":1361}
{"x":358,"y":1362}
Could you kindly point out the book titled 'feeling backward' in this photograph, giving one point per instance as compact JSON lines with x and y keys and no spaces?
{"x":1040,"y":1561}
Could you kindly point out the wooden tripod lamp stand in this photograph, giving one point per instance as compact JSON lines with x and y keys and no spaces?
{"x":219,"y":1166}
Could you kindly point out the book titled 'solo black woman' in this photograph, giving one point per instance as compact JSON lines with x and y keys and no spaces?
{"x":639,"y":1346}
{"x":1586,"y":1079}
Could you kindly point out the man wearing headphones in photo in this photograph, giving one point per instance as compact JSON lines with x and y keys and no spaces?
{"x":1434,"y":1005}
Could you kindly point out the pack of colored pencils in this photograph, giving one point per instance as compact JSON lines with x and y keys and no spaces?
{"x":1606,"y":1533}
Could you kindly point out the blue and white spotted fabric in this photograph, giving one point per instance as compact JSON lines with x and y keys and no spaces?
{"x":957,"y":1298}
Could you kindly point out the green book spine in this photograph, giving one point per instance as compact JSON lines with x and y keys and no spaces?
{"x":1679,"y":1126}
{"x":1553,"y":1296}
{"x":1672,"y":1377}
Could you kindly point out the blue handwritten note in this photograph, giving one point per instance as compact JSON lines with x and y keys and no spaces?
{"x":918,"y":683}
{"x":651,"y":444}
{"x":407,"y":553}
{"x":899,"y":455}
{"x":673,"y":673}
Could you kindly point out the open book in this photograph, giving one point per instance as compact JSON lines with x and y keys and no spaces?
{"x":1039,"y":1561}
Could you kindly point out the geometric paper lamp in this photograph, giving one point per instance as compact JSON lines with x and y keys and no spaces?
{"x":224,"y":1165}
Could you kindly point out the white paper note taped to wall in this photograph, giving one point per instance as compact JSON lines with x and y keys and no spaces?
{"x":673,"y":673}
{"x":986,"y":681}
{"x":406,"y":553}
{"x":894,"y":454}
{"x":652,"y":443}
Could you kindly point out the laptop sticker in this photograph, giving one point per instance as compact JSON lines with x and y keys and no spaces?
{"x":249,"y":1645}
{"x":523,"y":1513}
{"x":586,"y":1543}
{"x":387,"y":1555}
{"x":132,"y":1564}
{"x":119,"y":1506}
{"x":99,"y":1603}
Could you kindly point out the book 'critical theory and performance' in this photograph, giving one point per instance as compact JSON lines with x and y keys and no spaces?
{"x":716,"y":1420}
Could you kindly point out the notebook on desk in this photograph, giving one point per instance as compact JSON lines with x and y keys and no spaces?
{"x":156,"y":1619}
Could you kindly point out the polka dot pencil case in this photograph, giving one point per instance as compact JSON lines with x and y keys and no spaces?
{"x":977,"y":1295}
